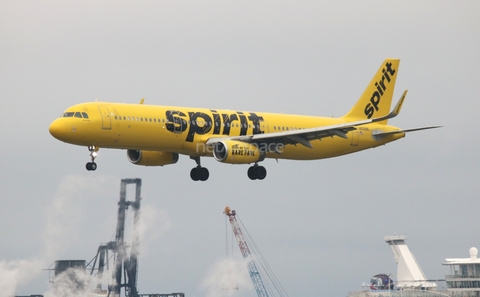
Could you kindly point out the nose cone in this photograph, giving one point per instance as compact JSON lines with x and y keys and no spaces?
{"x":57,"y":129}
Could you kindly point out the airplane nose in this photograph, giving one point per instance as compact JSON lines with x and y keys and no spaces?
{"x":57,"y":129}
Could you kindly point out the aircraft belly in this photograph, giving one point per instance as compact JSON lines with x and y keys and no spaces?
{"x":325,"y":148}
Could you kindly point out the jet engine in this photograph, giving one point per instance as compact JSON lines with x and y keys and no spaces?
{"x":237,"y":152}
{"x":151,"y":158}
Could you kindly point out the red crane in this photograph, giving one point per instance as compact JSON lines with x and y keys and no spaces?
{"x":247,"y":255}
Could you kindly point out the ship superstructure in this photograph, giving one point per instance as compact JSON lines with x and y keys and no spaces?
{"x":464,"y":279}
{"x":411,"y":281}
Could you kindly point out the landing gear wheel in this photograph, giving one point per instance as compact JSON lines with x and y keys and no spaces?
{"x":257,"y":172}
{"x":199,"y":174}
{"x":261,"y":172}
{"x":252,"y":173}
{"x":194,"y":174}
{"x":204,"y":174}
{"x":91,"y":166}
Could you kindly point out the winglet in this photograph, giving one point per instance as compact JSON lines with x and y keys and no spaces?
{"x":142,"y":100}
{"x":395,"y":111}
{"x":399,"y":105}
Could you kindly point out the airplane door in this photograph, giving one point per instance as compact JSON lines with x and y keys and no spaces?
{"x":106,"y":119}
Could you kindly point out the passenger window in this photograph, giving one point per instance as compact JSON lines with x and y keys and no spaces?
{"x":85,"y":115}
{"x":68,"y":114}
{"x":78,"y":115}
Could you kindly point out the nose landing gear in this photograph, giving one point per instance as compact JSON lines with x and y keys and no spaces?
{"x":92,"y":166}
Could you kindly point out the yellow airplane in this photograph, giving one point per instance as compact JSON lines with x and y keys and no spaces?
{"x":156,"y":135}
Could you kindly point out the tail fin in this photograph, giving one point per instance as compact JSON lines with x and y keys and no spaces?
{"x":376,"y":100}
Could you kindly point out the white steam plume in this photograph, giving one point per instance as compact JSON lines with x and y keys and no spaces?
{"x":227,"y":278}
{"x":70,"y":283}
{"x":18,"y":272}
{"x":153,"y":224}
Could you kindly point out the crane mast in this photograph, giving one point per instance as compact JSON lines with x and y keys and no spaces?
{"x":252,"y":268}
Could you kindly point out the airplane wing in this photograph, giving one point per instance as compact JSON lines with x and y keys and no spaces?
{"x":304,"y":136}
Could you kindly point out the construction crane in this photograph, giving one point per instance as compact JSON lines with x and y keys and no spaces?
{"x":258,"y":283}
{"x":125,"y":267}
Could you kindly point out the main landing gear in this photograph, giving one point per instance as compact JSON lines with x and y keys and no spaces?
{"x":92,"y":166}
{"x":256,"y":172}
{"x":198,"y":173}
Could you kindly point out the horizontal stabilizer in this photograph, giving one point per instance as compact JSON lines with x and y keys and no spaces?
{"x":377,"y":134}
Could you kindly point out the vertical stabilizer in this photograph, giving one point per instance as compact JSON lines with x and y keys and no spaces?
{"x":409,"y":273}
{"x":376,"y":100}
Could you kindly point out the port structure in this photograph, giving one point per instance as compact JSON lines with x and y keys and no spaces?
{"x":124,"y":265}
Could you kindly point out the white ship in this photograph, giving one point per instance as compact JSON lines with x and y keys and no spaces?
{"x":464,"y":280}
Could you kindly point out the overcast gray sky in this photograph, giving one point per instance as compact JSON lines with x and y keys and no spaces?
{"x":320,"y":224}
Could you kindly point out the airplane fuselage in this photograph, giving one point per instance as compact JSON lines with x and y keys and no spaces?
{"x":186,"y":130}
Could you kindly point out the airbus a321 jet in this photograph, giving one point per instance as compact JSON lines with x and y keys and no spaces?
{"x":157,"y":135}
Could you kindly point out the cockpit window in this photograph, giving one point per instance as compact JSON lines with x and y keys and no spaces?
{"x":77,"y":114}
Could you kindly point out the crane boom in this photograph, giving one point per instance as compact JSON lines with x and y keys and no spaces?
{"x":252,"y":268}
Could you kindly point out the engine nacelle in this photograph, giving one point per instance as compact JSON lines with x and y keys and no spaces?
{"x":151,"y":158}
{"x":237,"y":152}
